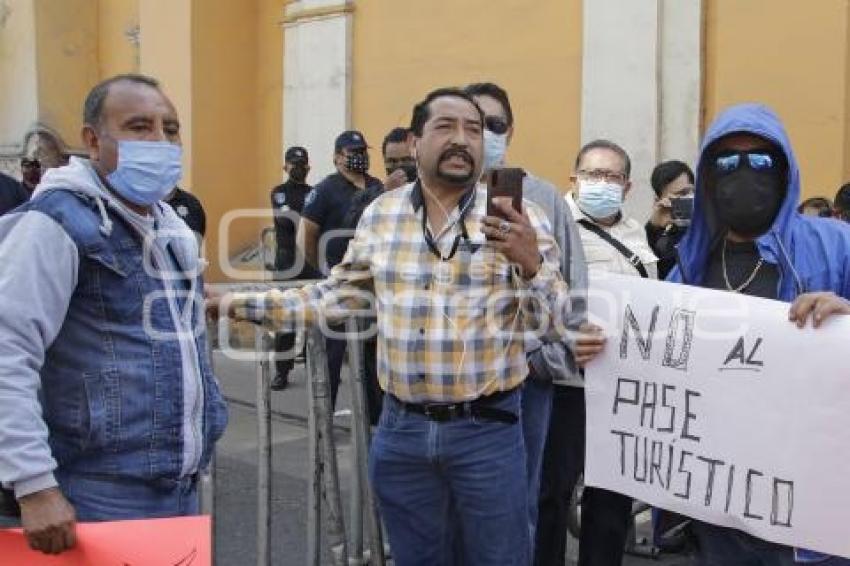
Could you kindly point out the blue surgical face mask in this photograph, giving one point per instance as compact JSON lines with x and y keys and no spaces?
{"x":147,"y":170}
{"x":495,"y":147}
{"x":599,"y":199}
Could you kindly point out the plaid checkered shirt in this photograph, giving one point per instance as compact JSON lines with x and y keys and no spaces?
{"x":449,"y":330}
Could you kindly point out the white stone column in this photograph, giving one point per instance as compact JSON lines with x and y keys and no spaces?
{"x":641,"y":83}
{"x":681,"y":68}
{"x":317,"y":78}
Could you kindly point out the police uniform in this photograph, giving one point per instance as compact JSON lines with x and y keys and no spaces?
{"x":188,"y":207}
{"x":287,"y":200}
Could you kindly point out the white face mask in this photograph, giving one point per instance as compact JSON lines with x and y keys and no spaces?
{"x":599,"y":199}
{"x":495,"y":147}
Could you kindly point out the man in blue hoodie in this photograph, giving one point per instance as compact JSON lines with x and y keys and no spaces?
{"x":747,"y":237}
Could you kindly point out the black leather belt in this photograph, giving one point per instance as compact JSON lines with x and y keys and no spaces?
{"x":479,"y":408}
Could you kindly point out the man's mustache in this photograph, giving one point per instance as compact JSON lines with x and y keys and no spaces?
{"x":459,"y":152}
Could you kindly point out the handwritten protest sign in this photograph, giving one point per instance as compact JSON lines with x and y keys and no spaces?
{"x":715,"y":406}
{"x":183,"y":541}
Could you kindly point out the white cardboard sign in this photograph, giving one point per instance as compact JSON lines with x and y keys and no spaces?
{"x":715,"y":406}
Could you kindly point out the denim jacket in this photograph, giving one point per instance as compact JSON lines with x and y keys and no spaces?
{"x":112,"y":376}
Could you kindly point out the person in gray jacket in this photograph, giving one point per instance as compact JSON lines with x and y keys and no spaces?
{"x":108,"y":406}
{"x":551,"y":363}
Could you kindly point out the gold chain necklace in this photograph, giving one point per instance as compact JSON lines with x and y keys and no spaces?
{"x":746,"y":282}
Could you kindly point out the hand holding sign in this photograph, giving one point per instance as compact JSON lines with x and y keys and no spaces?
{"x":589,"y":343}
{"x":707,"y":408}
{"x":820,"y":306}
{"x":181,"y":541}
{"x":48,"y":520}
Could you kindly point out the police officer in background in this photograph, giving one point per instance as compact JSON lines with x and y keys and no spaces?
{"x":189,"y":208}
{"x":326,"y":226}
{"x":287,"y":204}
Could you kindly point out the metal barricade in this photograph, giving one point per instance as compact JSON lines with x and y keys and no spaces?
{"x":362,"y":498}
{"x":264,"y":448}
{"x":324,"y":476}
{"x":363,"y":544}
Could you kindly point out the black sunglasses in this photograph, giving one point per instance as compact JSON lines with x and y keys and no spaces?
{"x":496,"y":125}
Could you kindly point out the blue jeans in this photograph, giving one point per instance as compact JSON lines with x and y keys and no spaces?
{"x":721,"y":546}
{"x":101,"y":498}
{"x":536,"y":410}
{"x":431,"y":478}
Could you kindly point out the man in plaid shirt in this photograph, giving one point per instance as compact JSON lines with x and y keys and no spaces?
{"x":457,"y":293}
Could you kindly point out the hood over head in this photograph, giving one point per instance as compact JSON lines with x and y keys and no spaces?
{"x":759,"y":120}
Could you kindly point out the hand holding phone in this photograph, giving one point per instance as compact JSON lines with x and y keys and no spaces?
{"x":504,"y":182}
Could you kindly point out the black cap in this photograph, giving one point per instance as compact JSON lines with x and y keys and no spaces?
{"x":295,"y":153}
{"x":351,"y":139}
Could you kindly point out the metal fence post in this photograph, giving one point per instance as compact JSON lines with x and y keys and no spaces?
{"x":362,"y":494}
{"x":264,"y":448}
{"x":314,"y":487}
{"x":325,"y":472}
{"x":355,"y":363}
{"x":208,"y":483}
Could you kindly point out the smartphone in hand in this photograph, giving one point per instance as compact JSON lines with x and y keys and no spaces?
{"x":504,"y":182}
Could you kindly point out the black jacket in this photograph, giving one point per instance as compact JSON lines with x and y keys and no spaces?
{"x":663,"y":242}
{"x":12,"y":194}
{"x":189,"y":208}
{"x":287,"y":198}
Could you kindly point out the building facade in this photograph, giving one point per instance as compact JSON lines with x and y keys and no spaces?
{"x":251,"y":77}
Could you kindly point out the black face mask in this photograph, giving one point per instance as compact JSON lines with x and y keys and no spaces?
{"x":410,"y":171}
{"x":298,"y":173}
{"x":357,"y":162}
{"x":748,"y":201}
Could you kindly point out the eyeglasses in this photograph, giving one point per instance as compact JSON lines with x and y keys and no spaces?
{"x":496,"y":124}
{"x":757,"y":160}
{"x":601,"y":175}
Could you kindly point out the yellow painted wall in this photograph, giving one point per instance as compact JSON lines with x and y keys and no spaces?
{"x":269,"y":107}
{"x":221,"y":63}
{"x":117,"y":19}
{"x":19,"y":104}
{"x":225,"y":122}
{"x":166,"y":54}
{"x":793,"y":56}
{"x":405,"y":48}
{"x":67,"y":51}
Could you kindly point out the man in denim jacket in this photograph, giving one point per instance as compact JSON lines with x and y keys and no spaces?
{"x":108,"y":406}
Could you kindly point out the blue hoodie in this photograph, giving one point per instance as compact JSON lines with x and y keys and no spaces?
{"x":812,"y":254}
